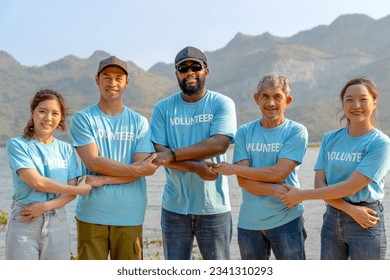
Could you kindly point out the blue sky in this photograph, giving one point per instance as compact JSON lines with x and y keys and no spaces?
{"x":146,"y":32}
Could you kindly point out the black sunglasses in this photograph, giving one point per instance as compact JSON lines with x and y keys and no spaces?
{"x":195,"y":67}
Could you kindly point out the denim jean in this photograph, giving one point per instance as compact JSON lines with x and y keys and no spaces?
{"x":287,"y":242}
{"x":342,"y":238}
{"x":213,"y":234}
{"x":47,"y":238}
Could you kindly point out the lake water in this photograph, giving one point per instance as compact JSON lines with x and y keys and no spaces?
{"x":152,"y":232}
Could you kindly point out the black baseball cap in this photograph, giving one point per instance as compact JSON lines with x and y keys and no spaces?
{"x":190,"y":53}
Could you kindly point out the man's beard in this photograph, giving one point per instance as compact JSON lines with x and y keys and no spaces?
{"x":192,"y":90}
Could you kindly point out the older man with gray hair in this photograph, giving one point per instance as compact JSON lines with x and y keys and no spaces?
{"x":267,"y":153}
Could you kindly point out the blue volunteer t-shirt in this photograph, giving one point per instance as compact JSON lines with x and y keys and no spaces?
{"x":340,"y":155}
{"x":56,"y":161}
{"x":118,"y":138}
{"x":177,"y":123}
{"x":263,"y":147}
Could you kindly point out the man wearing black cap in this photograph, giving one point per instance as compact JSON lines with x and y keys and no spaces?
{"x":115,"y":147}
{"x":191,"y":131}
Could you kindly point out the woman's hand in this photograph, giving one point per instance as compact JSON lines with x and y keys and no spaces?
{"x":31,"y":212}
{"x":364,"y":216}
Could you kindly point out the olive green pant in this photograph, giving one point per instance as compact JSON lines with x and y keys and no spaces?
{"x":102,"y":242}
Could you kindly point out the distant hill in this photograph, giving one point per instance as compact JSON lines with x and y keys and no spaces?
{"x":318,"y":62}
{"x":75,"y":79}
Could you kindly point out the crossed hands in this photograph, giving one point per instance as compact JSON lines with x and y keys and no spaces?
{"x":163,"y":158}
{"x":148,"y":165}
{"x":224,"y":168}
{"x":34,"y":210}
{"x":83,"y":187}
{"x":145,"y":167}
{"x":291,"y":197}
{"x":203,"y":169}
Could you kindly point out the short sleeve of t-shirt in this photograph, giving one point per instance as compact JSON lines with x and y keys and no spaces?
{"x":18,"y":156}
{"x":81,"y":132}
{"x":376,"y":163}
{"x":294,"y":147}
{"x":158,"y":127}
{"x":240,"y":152}
{"x":320,"y":162}
{"x":224,"y":121}
{"x":144,"y":135}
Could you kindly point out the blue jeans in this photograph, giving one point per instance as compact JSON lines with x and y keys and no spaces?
{"x":342,"y":238}
{"x":213,"y":234}
{"x":47,"y":238}
{"x":287,"y":242}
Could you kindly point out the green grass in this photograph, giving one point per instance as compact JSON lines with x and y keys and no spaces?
{"x":3,"y":219}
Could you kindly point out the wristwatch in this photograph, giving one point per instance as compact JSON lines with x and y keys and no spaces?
{"x":173,"y":154}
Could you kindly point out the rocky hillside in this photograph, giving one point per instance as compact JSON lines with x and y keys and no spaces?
{"x":317,"y":61}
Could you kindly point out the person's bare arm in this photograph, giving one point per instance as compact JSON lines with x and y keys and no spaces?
{"x":364,"y":216}
{"x":139,"y":159}
{"x":208,"y":148}
{"x":349,"y":187}
{"x":276,"y":173}
{"x":32,"y":211}
{"x":201,"y":168}
{"x":259,"y":188}
{"x":41,"y":183}
{"x":211,"y":147}
{"x":89,"y":154}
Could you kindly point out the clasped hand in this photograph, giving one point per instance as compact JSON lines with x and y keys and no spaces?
{"x":224,"y":168}
{"x":292,"y":197}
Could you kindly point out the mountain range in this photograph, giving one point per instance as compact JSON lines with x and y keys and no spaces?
{"x":318,"y":62}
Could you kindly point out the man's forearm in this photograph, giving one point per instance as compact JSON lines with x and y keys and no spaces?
{"x":109,"y":167}
{"x":258,"y":188}
{"x":206,"y":149}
